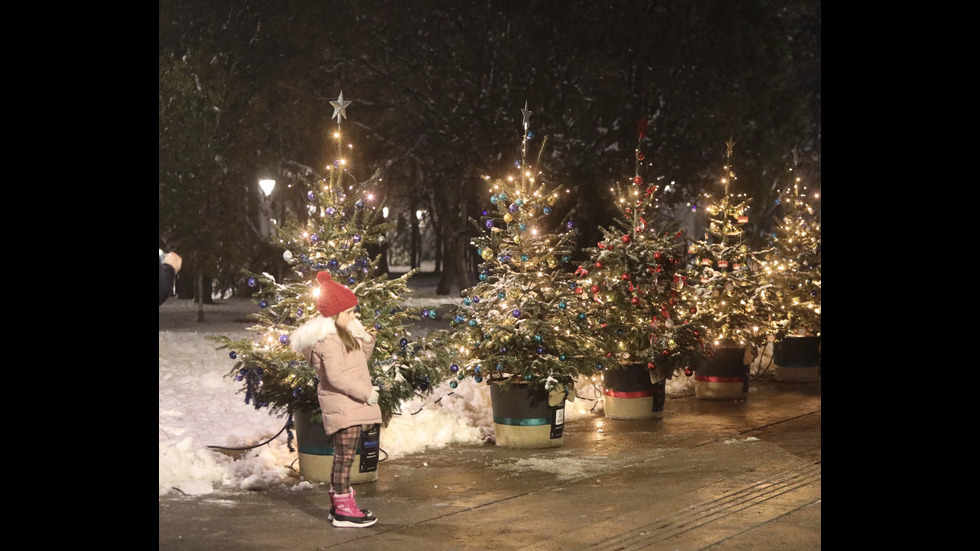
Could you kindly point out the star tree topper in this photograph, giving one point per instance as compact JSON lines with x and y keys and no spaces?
{"x":339,"y":107}
{"x":641,"y":128}
{"x":527,"y":115}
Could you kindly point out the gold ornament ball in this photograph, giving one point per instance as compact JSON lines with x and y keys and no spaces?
{"x":487,"y":254}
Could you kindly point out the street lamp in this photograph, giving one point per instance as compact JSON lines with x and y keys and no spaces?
{"x":267,"y":186}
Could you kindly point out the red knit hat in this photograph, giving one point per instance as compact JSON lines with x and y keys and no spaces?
{"x":334,"y":298}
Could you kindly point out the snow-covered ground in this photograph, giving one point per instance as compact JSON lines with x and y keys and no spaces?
{"x":202,"y":411}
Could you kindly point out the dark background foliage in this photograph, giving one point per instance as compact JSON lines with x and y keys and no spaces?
{"x":438,"y":87}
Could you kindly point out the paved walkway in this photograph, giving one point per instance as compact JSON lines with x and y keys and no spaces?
{"x":720,"y":475}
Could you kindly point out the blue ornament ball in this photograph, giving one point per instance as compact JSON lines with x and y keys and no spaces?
{"x":310,"y":195}
{"x":252,"y":282}
{"x":454,"y":368}
{"x":489,"y":224}
{"x":530,"y":135}
{"x":233,"y":354}
{"x":314,"y":238}
{"x":263,"y":303}
{"x":432,"y":314}
{"x":478,"y":379}
{"x":570,"y":224}
{"x":476,"y":298}
{"x":377,"y":326}
{"x":516,"y":313}
{"x":403,"y":343}
{"x":283,"y":339}
{"x":330,"y":211}
{"x":453,"y":384}
{"x":483,"y":277}
{"x":546,"y":210}
{"x":425,"y":314}
{"x":359,"y":204}
{"x":357,"y":238}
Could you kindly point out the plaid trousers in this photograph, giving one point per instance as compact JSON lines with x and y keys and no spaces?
{"x":344,"y":447}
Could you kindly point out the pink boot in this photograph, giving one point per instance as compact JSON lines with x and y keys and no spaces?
{"x":346,"y":513}
{"x":333,"y":508}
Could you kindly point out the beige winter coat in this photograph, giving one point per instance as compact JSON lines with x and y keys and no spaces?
{"x":345,"y":382}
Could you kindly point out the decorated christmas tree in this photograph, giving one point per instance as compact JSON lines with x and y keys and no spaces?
{"x":641,"y":301}
{"x":341,"y":219}
{"x":733,"y":295}
{"x":526,"y":319}
{"x":794,"y":263}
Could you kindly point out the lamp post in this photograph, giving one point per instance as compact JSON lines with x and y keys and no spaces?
{"x":266,"y":185}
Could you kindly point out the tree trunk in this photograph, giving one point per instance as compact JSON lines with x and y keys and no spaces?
{"x":199,"y":279}
{"x":454,"y":273}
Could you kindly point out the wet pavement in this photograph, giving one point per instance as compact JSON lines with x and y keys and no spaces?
{"x":723,"y":475}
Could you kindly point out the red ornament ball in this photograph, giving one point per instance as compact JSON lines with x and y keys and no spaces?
{"x":578,"y":290}
{"x":635,"y":300}
{"x":598,"y":264}
{"x":638,"y":180}
{"x":688,"y":372}
{"x":626,"y":238}
{"x":694,"y":310}
{"x":594,"y":289}
{"x":651,"y":365}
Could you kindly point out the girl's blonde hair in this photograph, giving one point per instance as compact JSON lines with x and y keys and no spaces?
{"x":350,"y":343}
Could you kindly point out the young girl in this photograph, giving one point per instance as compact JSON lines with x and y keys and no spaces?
{"x":338,"y":347}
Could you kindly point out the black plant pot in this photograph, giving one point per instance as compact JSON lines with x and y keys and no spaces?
{"x":315,"y":450}
{"x":523,"y":416}
{"x":797,"y":359}
{"x":629,"y":393}
{"x":723,"y":376}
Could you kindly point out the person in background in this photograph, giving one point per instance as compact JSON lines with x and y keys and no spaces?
{"x":169,"y":266}
{"x":338,"y":348}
